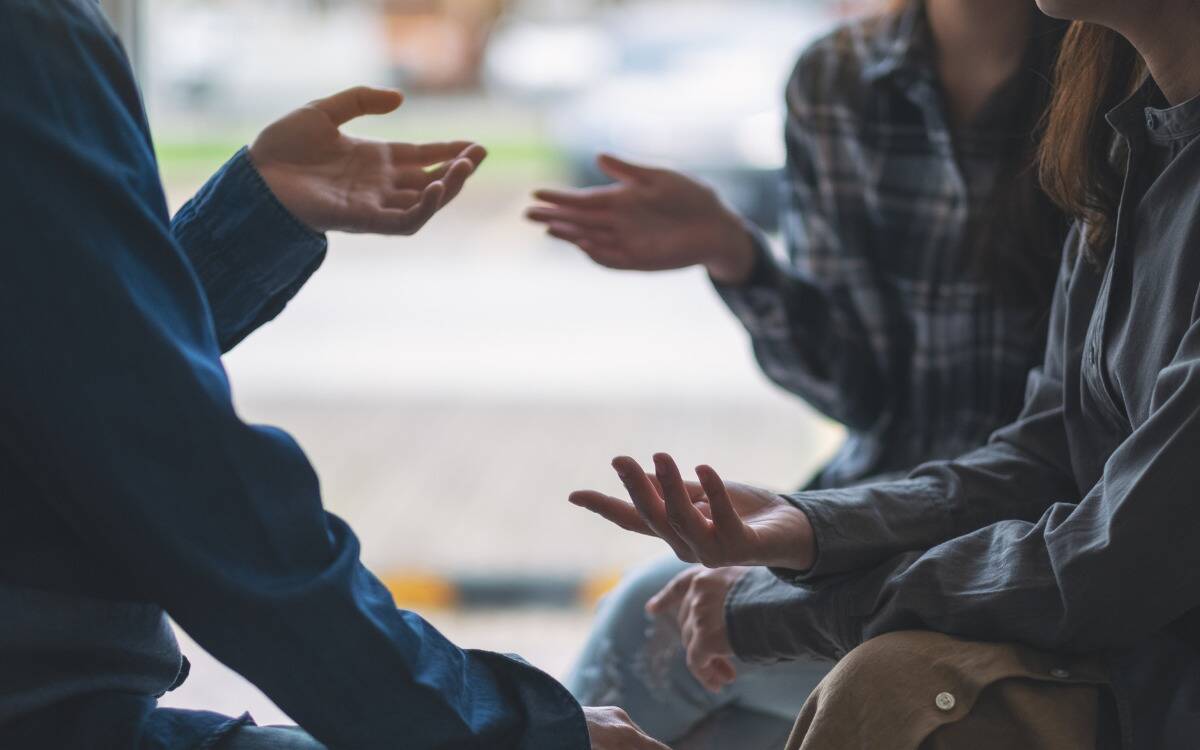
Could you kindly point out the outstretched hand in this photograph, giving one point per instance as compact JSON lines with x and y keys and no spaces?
{"x":648,"y":220}
{"x":333,"y":182}
{"x":706,"y":522}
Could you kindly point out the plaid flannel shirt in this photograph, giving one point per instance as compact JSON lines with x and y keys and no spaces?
{"x":877,"y":317}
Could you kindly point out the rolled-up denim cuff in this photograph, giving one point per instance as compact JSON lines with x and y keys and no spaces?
{"x":250,"y":252}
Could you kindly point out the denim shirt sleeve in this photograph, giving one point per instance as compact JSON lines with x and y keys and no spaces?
{"x":249,"y":252}
{"x":115,"y":408}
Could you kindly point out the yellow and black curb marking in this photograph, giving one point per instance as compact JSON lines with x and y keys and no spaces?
{"x":420,"y":590}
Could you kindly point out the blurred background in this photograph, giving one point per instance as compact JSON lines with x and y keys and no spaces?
{"x":452,"y":388}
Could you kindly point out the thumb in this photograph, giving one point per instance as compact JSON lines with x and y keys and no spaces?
{"x":345,"y":106}
{"x":625,"y":171}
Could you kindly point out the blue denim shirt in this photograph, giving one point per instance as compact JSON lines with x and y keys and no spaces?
{"x":129,"y":486}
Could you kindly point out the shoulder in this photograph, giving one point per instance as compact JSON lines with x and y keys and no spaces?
{"x":55,"y":33}
{"x":79,"y":15}
{"x":59,"y":55}
{"x":833,"y":71}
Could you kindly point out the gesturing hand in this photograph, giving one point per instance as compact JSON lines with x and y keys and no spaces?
{"x":612,"y":729}
{"x":695,"y":599}
{"x":331,"y":181}
{"x":648,"y":220}
{"x":710,"y":522}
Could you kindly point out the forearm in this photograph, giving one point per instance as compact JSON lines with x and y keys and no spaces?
{"x":734,"y":256}
{"x":859,"y":527}
{"x":1080,"y":578}
{"x":329,"y":646}
{"x":769,"y":620}
{"x":244,"y":558}
{"x":804,"y":343}
{"x":250,"y":253}
{"x":989,"y":585}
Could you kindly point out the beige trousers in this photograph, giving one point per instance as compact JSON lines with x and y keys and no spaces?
{"x":919,"y":690}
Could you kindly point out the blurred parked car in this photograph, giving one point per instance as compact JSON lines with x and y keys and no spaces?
{"x":696,"y":86}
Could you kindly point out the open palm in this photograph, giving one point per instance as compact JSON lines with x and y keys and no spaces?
{"x":648,"y":220}
{"x":335,"y":182}
{"x":707,"y":522}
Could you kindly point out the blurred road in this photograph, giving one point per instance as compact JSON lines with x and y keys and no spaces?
{"x":452,"y":388}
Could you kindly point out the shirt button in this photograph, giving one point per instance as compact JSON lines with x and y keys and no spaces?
{"x":944,"y":702}
{"x":1060,"y":674}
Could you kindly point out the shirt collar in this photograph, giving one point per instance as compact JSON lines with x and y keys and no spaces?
{"x":1174,"y":123}
{"x":1145,"y":111}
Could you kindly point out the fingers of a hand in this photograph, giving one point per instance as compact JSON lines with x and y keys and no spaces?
{"x":650,"y":504}
{"x":600,"y":246}
{"x":612,"y":509}
{"x":456,"y":176}
{"x":597,"y":219}
{"x":346,"y":105}
{"x":401,"y":199}
{"x":410,"y":220}
{"x":717,"y":673}
{"x":682,"y":514}
{"x":565,"y":230}
{"x":596,"y":198}
{"x":415,"y":178}
{"x":725,"y":518}
{"x":702,"y":655}
{"x":428,"y":154}
{"x":724,"y":668}
{"x":474,"y":153}
{"x":693,"y":654}
{"x":625,"y":171}
{"x":671,"y":596}
{"x":695,"y":491}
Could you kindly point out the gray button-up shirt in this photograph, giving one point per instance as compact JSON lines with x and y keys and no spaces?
{"x":1077,"y":528}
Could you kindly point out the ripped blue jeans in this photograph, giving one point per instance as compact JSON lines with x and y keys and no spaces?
{"x":637,"y":663}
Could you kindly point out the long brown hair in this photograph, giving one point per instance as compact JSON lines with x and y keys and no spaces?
{"x":1079,"y":163}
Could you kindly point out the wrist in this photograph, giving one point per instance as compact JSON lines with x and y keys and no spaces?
{"x":801,"y":552}
{"x":734,"y":253}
